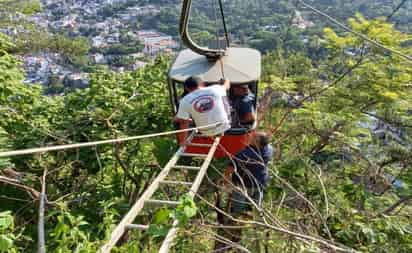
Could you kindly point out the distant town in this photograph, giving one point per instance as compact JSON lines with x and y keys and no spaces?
{"x":103,"y":30}
{"x":115,"y":38}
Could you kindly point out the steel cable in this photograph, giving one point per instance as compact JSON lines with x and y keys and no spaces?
{"x":365,"y":38}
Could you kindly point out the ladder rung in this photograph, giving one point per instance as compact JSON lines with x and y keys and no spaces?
{"x":137,"y":226}
{"x":186,"y":167}
{"x":200,"y":135}
{"x":199,"y":145}
{"x":194,"y":155}
{"x":162,"y":202}
{"x":175,"y":182}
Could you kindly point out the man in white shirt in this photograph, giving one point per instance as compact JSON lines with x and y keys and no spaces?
{"x":205,"y":106}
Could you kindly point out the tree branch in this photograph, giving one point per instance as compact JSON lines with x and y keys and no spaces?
{"x":403,"y":200}
{"x":387,"y":121}
{"x":40,"y":228}
{"x":279,"y":229}
{"x":326,"y":137}
{"x":321,"y":91}
{"x":34,"y":194}
{"x":124,"y":166}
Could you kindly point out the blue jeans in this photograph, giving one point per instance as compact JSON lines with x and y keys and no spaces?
{"x":241,"y":204}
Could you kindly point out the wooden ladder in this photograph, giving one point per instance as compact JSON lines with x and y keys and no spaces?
{"x":127,"y":222}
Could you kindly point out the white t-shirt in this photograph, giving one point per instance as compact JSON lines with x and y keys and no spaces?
{"x":206,"y":106}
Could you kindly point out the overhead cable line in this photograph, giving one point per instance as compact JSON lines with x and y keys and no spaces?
{"x":396,"y":10}
{"x":216,"y":25}
{"x":224,"y":23}
{"x":97,"y":143}
{"x":365,"y":38}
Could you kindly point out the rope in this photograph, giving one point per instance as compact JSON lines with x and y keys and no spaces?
{"x":216,"y":25}
{"x":97,"y":143}
{"x":365,"y":38}
{"x":224,"y":23}
{"x":396,"y":10}
{"x":222,"y":68}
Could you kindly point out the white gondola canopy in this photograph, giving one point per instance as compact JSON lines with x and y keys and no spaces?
{"x":240,"y":65}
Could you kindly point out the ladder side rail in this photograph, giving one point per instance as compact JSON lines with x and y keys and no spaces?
{"x":138,"y":206}
{"x":168,"y":241}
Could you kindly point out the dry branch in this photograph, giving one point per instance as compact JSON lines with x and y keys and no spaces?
{"x":403,"y":200}
{"x":40,"y":228}
{"x":34,"y":194}
{"x":279,"y":229}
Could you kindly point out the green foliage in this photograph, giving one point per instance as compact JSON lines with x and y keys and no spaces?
{"x":5,"y":43}
{"x":122,"y":48}
{"x":6,"y":233}
{"x":27,"y":7}
{"x":69,"y":235}
{"x":112,"y":9}
{"x":162,"y":220}
{"x":326,"y":148}
{"x":115,"y":104}
{"x":334,"y":128}
{"x":16,"y":99}
{"x":203,"y":37}
{"x":185,"y":210}
{"x":74,"y":50}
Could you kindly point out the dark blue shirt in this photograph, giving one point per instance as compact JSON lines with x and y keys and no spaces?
{"x":242,"y":106}
{"x":251,"y":164}
{"x":246,"y":105}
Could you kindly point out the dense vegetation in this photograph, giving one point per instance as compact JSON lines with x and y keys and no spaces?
{"x":334,"y":178}
{"x":262,"y":23}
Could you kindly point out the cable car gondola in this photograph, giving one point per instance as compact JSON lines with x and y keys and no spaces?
{"x":242,"y":66}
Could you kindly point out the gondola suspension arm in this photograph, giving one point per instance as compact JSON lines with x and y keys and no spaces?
{"x":212,"y":54}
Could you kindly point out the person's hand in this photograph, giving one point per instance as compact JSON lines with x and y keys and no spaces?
{"x":225,"y":82}
{"x":227,"y":175}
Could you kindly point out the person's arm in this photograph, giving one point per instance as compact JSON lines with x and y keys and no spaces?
{"x":226,"y":84}
{"x":268,"y":154}
{"x":228,"y":174}
{"x":183,"y":119}
{"x":249,"y":117}
{"x":247,"y":112}
{"x":183,"y":124}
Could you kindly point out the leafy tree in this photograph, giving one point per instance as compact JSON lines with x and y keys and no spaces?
{"x":329,"y":129}
{"x":74,"y":50}
{"x":336,"y":177}
{"x":7,"y":238}
{"x":26,"y":7}
{"x":114,"y":105}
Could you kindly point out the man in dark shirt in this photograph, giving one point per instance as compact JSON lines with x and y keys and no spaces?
{"x":243,"y":104}
{"x":249,"y":172}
